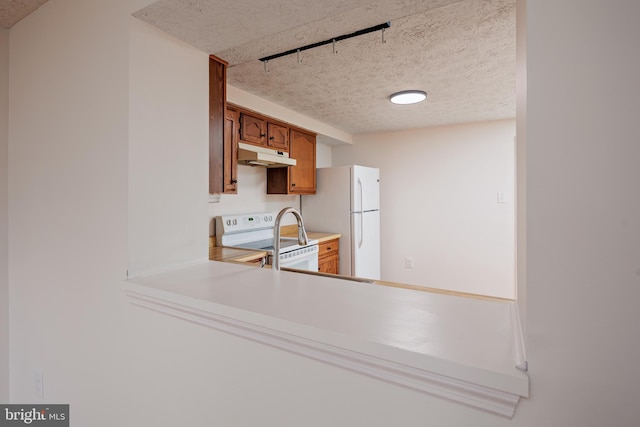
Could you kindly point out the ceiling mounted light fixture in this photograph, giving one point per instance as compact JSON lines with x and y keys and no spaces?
{"x":332,"y":40}
{"x":408,"y":97}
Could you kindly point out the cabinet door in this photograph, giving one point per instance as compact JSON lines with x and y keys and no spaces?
{"x":230,"y":152}
{"x":217,"y":101}
{"x":328,"y":257}
{"x":277,"y":136}
{"x":328,"y":265}
{"x":252,"y":129}
{"x":302,"y":176}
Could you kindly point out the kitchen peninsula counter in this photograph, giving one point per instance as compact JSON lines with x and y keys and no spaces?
{"x":463,"y":349}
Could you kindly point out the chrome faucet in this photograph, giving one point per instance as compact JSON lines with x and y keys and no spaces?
{"x":302,"y":234}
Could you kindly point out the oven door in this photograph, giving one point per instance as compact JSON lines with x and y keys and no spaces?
{"x":301,"y":259}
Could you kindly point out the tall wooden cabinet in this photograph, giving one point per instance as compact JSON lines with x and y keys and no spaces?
{"x":230,"y":160}
{"x":223,"y":144}
{"x":301,"y":178}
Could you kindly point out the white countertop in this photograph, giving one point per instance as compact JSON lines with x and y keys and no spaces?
{"x":461,"y":339}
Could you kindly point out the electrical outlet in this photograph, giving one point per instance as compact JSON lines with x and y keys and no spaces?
{"x":37,"y":383}
{"x":408,"y":262}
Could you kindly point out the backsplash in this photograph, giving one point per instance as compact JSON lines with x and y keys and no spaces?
{"x":252,"y":197}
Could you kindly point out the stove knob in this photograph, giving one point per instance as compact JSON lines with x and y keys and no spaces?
{"x":228,"y":222}
{"x":235,"y":222}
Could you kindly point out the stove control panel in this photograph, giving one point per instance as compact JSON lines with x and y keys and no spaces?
{"x":244,"y":222}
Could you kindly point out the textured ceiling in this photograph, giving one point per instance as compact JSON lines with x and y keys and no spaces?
{"x":461,"y":52}
{"x":12,"y":11}
{"x":458,"y":54}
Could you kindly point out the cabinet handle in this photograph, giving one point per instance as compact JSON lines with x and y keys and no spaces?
{"x":271,"y":138}
{"x":234,"y":181}
{"x":293,"y":184}
{"x":328,"y":248}
{"x":262,"y":135}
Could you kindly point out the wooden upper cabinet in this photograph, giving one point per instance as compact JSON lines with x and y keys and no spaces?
{"x":253,"y":129}
{"x":250,"y":127}
{"x":301,"y":178}
{"x":217,"y":105}
{"x":277,"y":136}
{"x":260,"y":130}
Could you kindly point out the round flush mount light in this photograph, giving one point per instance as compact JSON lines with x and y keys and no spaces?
{"x":408,"y":97}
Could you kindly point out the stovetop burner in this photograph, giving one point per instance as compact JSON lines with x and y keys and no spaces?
{"x":286,"y":244}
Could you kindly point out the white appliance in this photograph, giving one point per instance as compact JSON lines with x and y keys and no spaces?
{"x":253,"y":155}
{"x":347,"y":201}
{"x":256,"y":231}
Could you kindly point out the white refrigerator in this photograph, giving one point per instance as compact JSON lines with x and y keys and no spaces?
{"x":347,"y":201}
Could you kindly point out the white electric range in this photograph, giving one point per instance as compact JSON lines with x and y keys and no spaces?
{"x":256,"y":231}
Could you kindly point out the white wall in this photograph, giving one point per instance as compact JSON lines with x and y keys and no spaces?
{"x":68,"y":145}
{"x":323,"y":155}
{"x":4,"y":218}
{"x":521,"y":159}
{"x":583,"y":212}
{"x":438,"y":191}
{"x":168,"y":151}
{"x":68,"y":242}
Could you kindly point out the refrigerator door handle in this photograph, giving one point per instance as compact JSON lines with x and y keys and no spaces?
{"x":361,"y":209}
{"x":361,"y":239}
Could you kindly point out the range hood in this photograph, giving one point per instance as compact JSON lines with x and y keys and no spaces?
{"x":260,"y":156}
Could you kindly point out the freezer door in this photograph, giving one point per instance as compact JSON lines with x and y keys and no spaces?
{"x":365,"y":184}
{"x":365,"y":245}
